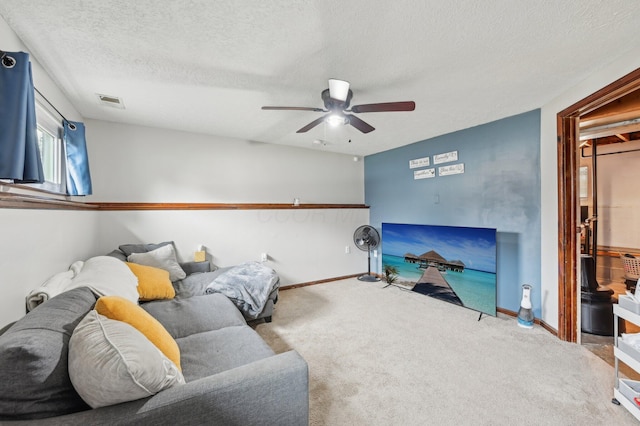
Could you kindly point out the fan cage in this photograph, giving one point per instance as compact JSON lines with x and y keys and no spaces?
{"x":360,"y":235}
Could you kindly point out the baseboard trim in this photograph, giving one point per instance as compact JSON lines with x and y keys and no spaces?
{"x":536,"y":320}
{"x":327,"y":280}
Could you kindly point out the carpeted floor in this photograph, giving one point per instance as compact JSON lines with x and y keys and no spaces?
{"x":386,"y":356}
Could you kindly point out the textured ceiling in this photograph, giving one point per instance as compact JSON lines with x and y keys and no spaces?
{"x":208,"y":66}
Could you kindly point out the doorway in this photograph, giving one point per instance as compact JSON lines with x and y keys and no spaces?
{"x":568,"y":198}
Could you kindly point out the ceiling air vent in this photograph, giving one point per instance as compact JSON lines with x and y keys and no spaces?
{"x":111,"y":101}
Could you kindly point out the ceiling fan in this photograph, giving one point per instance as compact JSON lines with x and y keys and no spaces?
{"x":336,"y":104}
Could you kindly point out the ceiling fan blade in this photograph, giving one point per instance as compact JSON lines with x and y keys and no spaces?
{"x":359,"y":124}
{"x":384,"y":107}
{"x":286,"y":108}
{"x":311,"y":125}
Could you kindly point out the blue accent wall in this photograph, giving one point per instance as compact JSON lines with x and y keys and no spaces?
{"x":500,"y":188}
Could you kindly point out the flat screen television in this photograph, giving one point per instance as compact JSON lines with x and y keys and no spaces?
{"x":450,"y":263}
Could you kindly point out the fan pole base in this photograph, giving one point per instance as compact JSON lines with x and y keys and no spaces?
{"x":368,"y":278}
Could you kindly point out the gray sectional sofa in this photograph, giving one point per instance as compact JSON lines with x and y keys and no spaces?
{"x":232,"y":376}
{"x":198,"y":276}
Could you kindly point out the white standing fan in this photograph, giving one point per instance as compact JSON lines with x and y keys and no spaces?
{"x":366,"y":238}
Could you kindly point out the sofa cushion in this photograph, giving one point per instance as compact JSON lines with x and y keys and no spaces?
{"x":34,"y":375}
{"x":111,"y":362}
{"x":164,"y":258}
{"x":183,"y":317}
{"x":215,"y":351}
{"x":119,"y":309}
{"x":153,"y":283}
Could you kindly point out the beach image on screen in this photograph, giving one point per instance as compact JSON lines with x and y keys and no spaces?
{"x":450,"y":263}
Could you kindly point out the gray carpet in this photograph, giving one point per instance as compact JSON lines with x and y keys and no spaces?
{"x":386,"y":356}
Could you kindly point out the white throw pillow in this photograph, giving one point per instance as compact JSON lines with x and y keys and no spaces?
{"x":163,"y":258}
{"x":106,"y":276}
{"x":111,"y":362}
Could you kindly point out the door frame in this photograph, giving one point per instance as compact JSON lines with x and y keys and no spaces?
{"x":568,"y":187}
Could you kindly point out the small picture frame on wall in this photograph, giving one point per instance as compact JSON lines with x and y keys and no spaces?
{"x":446,"y":157}
{"x":453,"y":169}
{"x":419,"y":162}
{"x":424,"y":174}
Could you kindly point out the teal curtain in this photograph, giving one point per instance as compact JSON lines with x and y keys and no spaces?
{"x":19,"y":152}
{"x":75,"y":145}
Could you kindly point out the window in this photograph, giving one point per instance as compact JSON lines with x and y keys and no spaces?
{"x":51,"y":151}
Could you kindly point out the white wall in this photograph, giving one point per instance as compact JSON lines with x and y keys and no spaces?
{"x":35,"y":245}
{"x":548,"y":172}
{"x":38,"y":243}
{"x":142,"y":164}
{"x":302,"y":245}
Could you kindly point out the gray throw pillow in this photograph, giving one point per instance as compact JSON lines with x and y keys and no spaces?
{"x":118,"y":255}
{"x":163,"y":258}
{"x":129,"y":249}
{"x":111,"y":362}
{"x":34,"y":376}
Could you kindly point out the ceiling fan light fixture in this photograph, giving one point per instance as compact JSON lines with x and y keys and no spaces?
{"x":335,"y":120}
{"x":338,"y":109}
{"x":338,"y":89}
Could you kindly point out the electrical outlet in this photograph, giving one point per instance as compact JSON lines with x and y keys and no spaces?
{"x":347,"y":249}
{"x":375,"y":253}
{"x":264,"y":257}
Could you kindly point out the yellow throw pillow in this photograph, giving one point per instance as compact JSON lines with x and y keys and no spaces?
{"x":121,"y":309}
{"x":153,"y":283}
